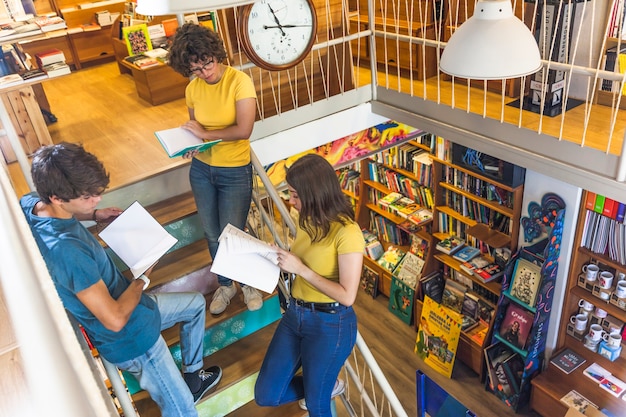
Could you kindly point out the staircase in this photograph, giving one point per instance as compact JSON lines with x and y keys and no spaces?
{"x":236,"y":340}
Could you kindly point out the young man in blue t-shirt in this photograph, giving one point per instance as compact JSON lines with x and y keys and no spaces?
{"x":122,"y":322}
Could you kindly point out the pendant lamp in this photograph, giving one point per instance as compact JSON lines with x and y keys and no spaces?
{"x":493,"y":44}
{"x":165,"y":7}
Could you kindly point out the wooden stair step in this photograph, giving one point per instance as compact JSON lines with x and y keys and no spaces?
{"x":238,"y":361}
{"x":285,"y":410}
{"x":180,"y":262}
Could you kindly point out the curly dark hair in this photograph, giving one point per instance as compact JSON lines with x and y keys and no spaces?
{"x":321,"y":198}
{"x":67,"y":171}
{"x":194,"y":43}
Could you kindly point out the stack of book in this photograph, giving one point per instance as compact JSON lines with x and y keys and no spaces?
{"x":49,"y":23}
{"x":52,"y":62}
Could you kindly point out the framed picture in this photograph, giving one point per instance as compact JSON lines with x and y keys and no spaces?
{"x":369,"y":281}
{"x":525,"y":282}
{"x":137,"y":39}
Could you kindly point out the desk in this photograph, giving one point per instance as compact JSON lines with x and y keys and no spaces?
{"x":158,"y":84}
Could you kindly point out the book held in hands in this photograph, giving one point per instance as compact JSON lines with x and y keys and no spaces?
{"x":178,"y":141}
{"x":246,"y":259}
{"x":137,"y":238}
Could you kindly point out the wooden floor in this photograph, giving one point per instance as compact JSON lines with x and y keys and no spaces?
{"x":99,"y":108}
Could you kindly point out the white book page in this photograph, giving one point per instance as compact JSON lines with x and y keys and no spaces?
{"x":137,"y":238}
{"x":247,"y":260}
{"x":177,"y":138}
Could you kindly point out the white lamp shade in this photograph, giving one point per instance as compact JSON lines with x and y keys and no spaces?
{"x":493,"y":44}
{"x":165,"y":7}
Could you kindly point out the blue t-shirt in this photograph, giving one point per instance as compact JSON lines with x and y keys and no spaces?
{"x":77,"y":261}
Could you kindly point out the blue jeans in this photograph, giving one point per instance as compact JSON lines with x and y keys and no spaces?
{"x":318,"y":342}
{"x":222,"y":195}
{"x":156,"y":370}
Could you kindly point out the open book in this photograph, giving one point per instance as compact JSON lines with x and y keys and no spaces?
{"x":246,"y":259}
{"x":178,"y":141}
{"x":137,"y":238}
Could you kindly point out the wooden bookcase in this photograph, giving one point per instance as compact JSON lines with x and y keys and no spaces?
{"x":452,"y":182}
{"x":552,"y":384}
{"x":366,"y":207}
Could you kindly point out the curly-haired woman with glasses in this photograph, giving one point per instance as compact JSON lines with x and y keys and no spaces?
{"x":222,"y":105}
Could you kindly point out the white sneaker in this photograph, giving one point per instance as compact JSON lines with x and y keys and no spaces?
{"x":338,"y":389}
{"x":221,"y":298}
{"x":252,"y":298}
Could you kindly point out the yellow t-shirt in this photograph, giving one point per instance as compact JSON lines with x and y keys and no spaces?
{"x":321,"y":257}
{"x":214,"y":108}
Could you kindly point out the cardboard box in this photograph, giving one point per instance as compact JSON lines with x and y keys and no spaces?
{"x":609,"y":352}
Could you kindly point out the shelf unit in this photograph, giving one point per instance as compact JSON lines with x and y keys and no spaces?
{"x":370,"y":190}
{"x":453,"y":182}
{"x":552,"y":384}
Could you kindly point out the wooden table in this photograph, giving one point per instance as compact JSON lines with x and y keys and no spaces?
{"x":158,"y":84}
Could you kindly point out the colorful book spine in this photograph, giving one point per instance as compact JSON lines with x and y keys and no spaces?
{"x":599,"y":205}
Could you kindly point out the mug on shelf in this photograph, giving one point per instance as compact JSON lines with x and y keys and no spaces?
{"x":620,"y":289}
{"x":579,"y":321}
{"x":613,"y":339}
{"x":596,"y":332}
{"x":591,"y":272}
{"x":600,"y":313}
{"x":591,"y":344}
{"x":585,"y":305}
{"x":606,"y":279}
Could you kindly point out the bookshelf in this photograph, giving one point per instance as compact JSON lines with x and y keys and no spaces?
{"x":604,"y":97}
{"x":483,"y":208}
{"x":389,"y":171}
{"x":552,"y":384}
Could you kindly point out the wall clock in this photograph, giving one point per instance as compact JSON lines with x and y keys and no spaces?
{"x":277,"y":34}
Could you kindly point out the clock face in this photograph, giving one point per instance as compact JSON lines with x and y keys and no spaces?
{"x":278,"y":34}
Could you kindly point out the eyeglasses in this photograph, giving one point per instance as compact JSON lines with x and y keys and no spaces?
{"x":206,"y":66}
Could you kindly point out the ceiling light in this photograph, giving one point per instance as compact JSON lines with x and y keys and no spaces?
{"x":493,"y":44}
{"x":165,"y":7}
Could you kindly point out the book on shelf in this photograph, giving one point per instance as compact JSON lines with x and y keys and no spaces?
{"x":432,"y":286}
{"x":420,"y":216}
{"x":369,"y":281}
{"x":478,"y":333}
{"x":401,"y":300}
{"x":137,"y":38}
{"x":488,"y":273}
{"x":50,"y":56}
{"x":419,"y":246}
{"x":470,"y":305}
{"x":178,"y":141}
{"x":466,"y":254}
{"x":34,"y":74}
{"x":11,"y":80}
{"x":567,"y":360}
{"x":516,"y":325}
{"x":450,"y":245}
{"x":605,"y":379}
{"x":526,"y":281}
{"x":404,"y":206}
{"x":494,"y":355}
{"x":374,"y":250}
{"x":409,"y":269}
{"x":453,"y":295}
{"x":390,"y":258}
{"x":485,"y":311}
{"x":577,"y":401}
{"x":409,"y":227}
{"x":137,"y":238}
{"x":387,"y":200}
{"x":511,"y":370}
{"x":147,"y":62}
{"x":473,"y":264}
{"x":56,"y":69}
{"x":50,"y":23}
{"x":468,"y":323}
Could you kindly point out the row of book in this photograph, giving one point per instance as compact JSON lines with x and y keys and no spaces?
{"x":417,"y":160}
{"x":400,"y":183}
{"x":473,"y":262}
{"x":349,"y":180}
{"x":478,"y":187}
{"x":478,"y":212}
{"x":605,"y":236}
{"x":616,"y":27}
{"x":607,"y":207}
{"x":387,"y":230}
{"x":443,"y":149}
{"x":50,"y":64}
{"x":404,"y":207}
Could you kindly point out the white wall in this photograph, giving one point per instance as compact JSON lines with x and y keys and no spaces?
{"x":536,"y":186}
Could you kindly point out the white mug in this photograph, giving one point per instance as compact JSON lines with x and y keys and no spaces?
{"x":613,"y":339}
{"x":620,"y":289}
{"x":585,"y":305}
{"x":606,"y":279}
{"x":604,"y":295}
{"x":596,"y":332}
{"x":600,"y":313}
{"x":579,"y":321}
{"x":591,"y":271}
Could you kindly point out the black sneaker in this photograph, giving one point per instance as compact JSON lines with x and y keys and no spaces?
{"x":209,"y":378}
